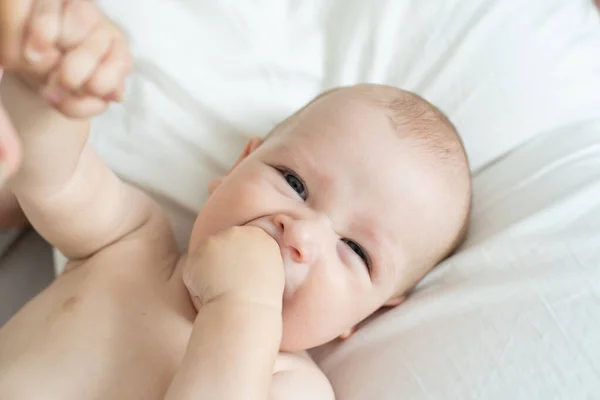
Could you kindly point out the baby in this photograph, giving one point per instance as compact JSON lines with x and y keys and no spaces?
{"x":340,"y":211}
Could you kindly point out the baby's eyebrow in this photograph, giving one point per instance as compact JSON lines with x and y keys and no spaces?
{"x":309,"y":167}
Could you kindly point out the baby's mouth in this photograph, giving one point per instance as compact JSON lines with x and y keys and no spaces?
{"x":266,"y":226}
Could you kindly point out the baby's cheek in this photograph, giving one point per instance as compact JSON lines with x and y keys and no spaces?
{"x":239,"y":200}
{"x":257,"y":199}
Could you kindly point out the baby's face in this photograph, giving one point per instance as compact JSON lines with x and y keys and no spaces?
{"x":344,"y":197}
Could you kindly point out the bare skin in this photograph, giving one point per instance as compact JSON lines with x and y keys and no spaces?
{"x":312,"y":231}
{"x":119,"y":324}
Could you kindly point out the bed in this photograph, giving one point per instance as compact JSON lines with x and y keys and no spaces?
{"x":514,"y":314}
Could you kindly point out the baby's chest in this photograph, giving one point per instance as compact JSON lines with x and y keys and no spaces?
{"x":150,"y":316}
{"x":117,"y":333}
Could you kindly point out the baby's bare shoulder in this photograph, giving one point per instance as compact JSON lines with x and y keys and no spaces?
{"x":296,"y":376}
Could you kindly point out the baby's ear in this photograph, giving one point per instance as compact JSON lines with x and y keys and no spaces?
{"x":393,"y":302}
{"x":252,"y":145}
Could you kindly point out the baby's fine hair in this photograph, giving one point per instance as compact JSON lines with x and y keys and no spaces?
{"x":432,"y":131}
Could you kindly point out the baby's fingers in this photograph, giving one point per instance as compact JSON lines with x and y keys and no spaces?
{"x":69,"y":103}
{"x":108,"y":80}
{"x":43,"y":33}
{"x":82,"y":106}
{"x":80,"y":18}
{"x":80,"y":63}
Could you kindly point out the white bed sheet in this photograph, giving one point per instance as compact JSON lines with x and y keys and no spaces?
{"x":515,"y":313}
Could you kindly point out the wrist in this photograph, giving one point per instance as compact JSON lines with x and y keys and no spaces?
{"x":231,"y":352}
{"x":261,"y":302}
{"x":17,"y":88}
{"x":242,"y":321}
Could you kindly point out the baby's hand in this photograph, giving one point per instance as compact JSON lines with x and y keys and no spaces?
{"x":238,"y":264}
{"x":68,"y":51}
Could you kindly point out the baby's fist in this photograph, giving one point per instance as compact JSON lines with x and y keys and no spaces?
{"x":95,"y":57}
{"x":241,"y":264}
{"x":69,"y":51}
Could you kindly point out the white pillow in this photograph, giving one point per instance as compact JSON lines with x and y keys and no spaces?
{"x":512,"y":315}
{"x":209,"y":75}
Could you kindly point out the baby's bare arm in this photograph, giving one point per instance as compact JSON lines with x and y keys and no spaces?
{"x":235,"y":279}
{"x":77,"y":60}
{"x":231,"y":357}
{"x":231,"y":353}
{"x":66,"y":191}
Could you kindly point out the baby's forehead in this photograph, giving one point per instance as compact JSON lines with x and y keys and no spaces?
{"x":361,"y":169}
{"x":351,"y":143}
{"x":342,"y":120}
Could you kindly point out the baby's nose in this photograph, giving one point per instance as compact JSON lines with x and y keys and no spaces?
{"x":300,"y":238}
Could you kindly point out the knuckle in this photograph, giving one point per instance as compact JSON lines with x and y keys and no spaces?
{"x":99,"y":84}
{"x":75,"y":70}
{"x":69,"y":76}
{"x":88,"y":12}
{"x":82,"y":13}
{"x":95,"y":87}
{"x":44,"y":29}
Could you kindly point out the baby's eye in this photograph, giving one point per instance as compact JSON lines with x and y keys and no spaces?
{"x":359,"y":251}
{"x":295,"y":183}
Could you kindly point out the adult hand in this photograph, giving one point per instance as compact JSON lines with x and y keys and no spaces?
{"x":10,"y":149}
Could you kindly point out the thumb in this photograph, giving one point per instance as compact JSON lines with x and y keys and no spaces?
{"x":13,"y":16}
